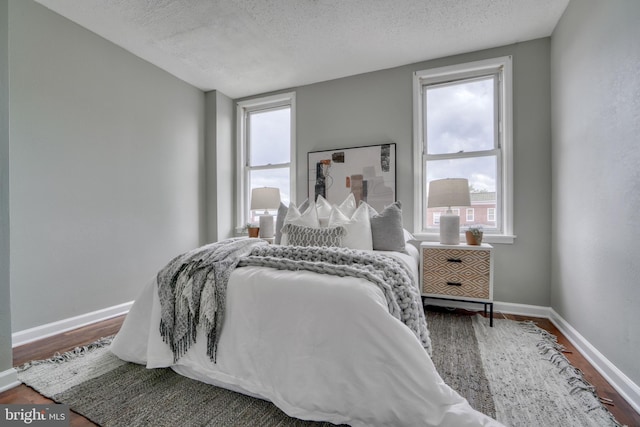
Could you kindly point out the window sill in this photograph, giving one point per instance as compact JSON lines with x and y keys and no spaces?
{"x":505,"y":239}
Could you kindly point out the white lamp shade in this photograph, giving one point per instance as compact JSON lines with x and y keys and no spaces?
{"x":448,"y":192}
{"x":267,"y":198}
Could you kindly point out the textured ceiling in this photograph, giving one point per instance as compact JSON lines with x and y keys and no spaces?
{"x":246,"y":47}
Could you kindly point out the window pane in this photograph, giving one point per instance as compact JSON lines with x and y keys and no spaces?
{"x":482,"y":174}
{"x":460,"y":116}
{"x":470,"y":215}
{"x":278,"y":178}
{"x":270,"y":137}
{"x":491,"y":214}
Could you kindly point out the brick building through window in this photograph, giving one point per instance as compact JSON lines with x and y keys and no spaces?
{"x":481,"y":212}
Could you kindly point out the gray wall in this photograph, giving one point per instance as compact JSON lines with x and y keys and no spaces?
{"x":106,"y":169}
{"x":595,"y":56}
{"x":220,"y":166}
{"x":108,"y":154}
{"x":5,"y":306}
{"x":377,"y":107}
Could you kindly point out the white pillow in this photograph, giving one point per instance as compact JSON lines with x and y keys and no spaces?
{"x":358,"y":227}
{"x":407,"y":235}
{"x":323,"y":207}
{"x":308,"y":218}
{"x":349,"y":205}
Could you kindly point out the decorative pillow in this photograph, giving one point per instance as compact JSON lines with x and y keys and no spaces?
{"x":299,"y":235}
{"x":348,"y":206}
{"x":413,"y":251}
{"x":412,"y":245}
{"x":323,"y":207}
{"x":386,"y":228}
{"x":302,"y":207}
{"x":358,"y":227}
{"x":308,"y":218}
{"x":323,"y":210}
{"x":407,"y":235}
{"x":413,"y":242}
{"x":282,"y":213}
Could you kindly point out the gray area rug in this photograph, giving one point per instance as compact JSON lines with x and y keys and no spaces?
{"x":517,"y":369}
{"x":456,"y":356}
{"x":512,"y":372}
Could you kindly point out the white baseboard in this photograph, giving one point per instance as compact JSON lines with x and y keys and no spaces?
{"x":8,"y":379}
{"x":39,"y":332}
{"x":629,"y":390}
{"x":522,"y":309}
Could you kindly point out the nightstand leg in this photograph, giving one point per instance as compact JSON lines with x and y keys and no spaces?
{"x":491,"y":315}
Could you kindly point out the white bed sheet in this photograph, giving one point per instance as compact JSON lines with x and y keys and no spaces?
{"x":319,"y":347}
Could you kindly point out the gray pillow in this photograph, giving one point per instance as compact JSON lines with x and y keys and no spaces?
{"x":300,"y":235}
{"x":282,"y":214}
{"x":386,"y":228}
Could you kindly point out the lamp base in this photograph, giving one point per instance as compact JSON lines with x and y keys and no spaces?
{"x":266,"y":226}
{"x":449,"y":229}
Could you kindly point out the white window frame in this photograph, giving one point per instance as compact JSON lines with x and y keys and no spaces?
{"x":491,"y":214}
{"x":436,"y":217}
{"x":505,"y":158}
{"x":470,"y":215}
{"x":243,"y":108}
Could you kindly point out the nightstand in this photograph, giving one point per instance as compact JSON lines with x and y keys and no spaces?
{"x":458,"y":272}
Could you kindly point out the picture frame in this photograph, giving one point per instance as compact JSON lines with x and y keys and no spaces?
{"x":369,"y":172}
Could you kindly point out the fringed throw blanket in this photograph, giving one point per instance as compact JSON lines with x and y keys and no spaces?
{"x":192,"y":291}
{"x":402,"y":295}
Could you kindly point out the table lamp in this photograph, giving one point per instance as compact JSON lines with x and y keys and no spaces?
{"x":267,"y":198}
{"x":446,"y":193}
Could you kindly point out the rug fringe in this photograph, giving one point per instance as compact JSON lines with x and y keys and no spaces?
{"x":553,"y":352}
{"x":69,"y":355}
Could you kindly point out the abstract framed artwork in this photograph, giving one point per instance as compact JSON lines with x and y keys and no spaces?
{"x":368,"y":172}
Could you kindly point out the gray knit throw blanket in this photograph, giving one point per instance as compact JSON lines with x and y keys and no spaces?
{"x":192,"y":290}
{"x":391,"y":276}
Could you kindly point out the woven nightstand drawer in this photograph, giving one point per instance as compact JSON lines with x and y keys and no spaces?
{"x":456,"y":272}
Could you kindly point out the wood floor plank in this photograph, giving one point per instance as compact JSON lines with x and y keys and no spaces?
{"x":47,"y":347}
{"x":61,"y":343}
{"x":621,"y":409}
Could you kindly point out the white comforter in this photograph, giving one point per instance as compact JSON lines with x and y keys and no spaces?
{"x":319,"y":347}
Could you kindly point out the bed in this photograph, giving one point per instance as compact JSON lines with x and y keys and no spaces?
{"x":320,"y":347}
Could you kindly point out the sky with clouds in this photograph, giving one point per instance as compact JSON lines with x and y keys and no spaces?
{"x":270,"y":138}
{"x":460,"y":119}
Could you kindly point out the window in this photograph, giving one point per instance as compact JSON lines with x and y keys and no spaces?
{"x":491,"y":214}
{"x":462,"y":129}
{"x":266,"y":142}
{"x":470,"y":212}
{"x":436,"y":217}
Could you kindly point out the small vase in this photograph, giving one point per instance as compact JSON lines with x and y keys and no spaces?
{"x":253,"y":231}
{"x":473,"y":239}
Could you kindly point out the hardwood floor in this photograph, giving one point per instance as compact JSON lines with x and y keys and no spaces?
{"x":619,"y":407}
{"x":47,"y":347}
